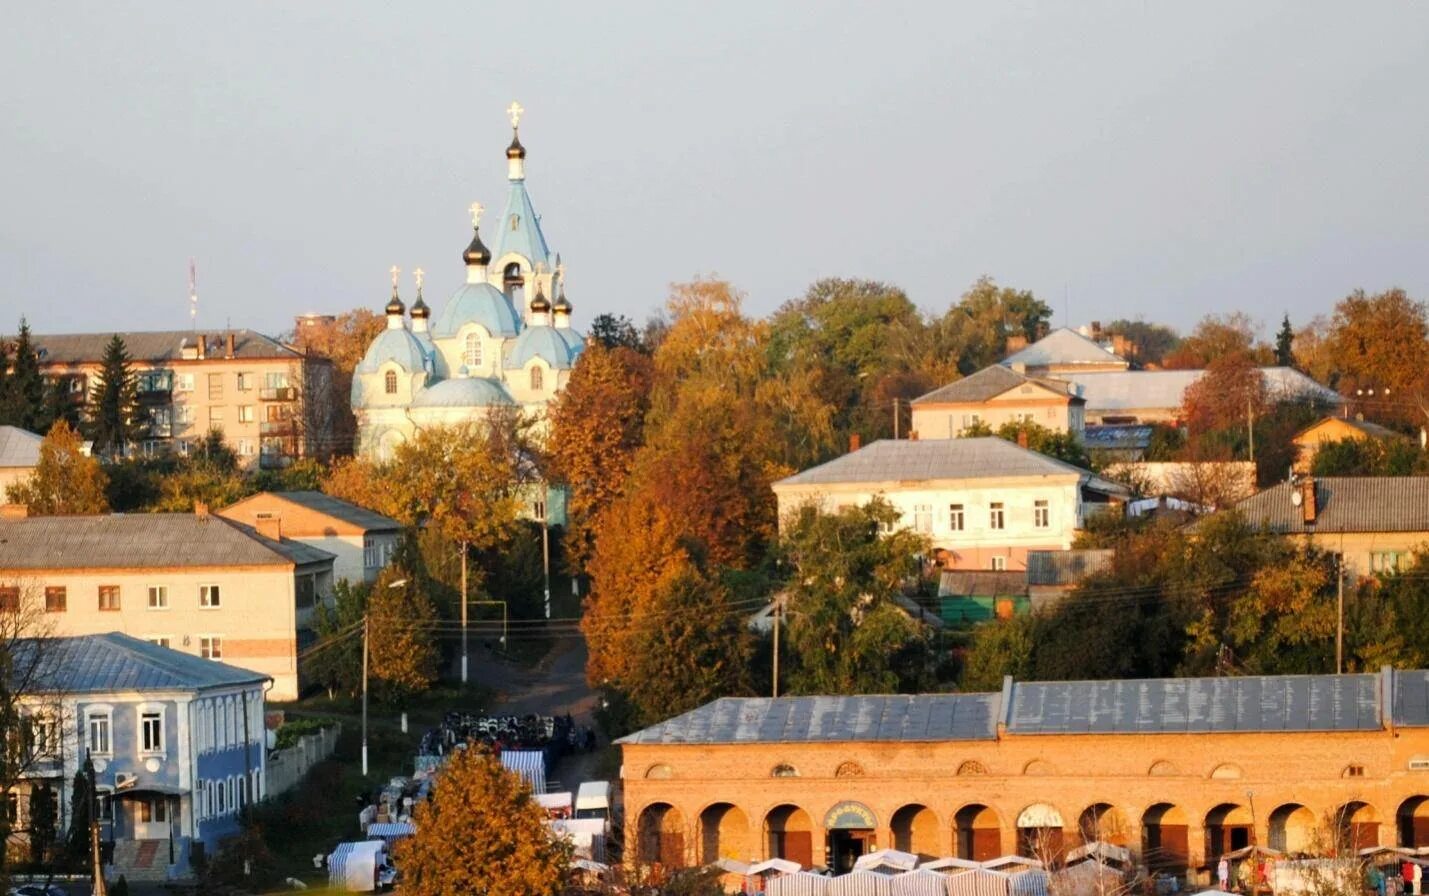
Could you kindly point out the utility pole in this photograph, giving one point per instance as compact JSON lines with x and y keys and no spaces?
{"x":777,"y":608}
{"x":365,"y":619}
{"x":1250,"y":427}
{"x":95,"y":853}
{"x":545,"y":548}
{"x":895,"y":418}
{"x":463,"y":612}
{"x":1340,"y":607}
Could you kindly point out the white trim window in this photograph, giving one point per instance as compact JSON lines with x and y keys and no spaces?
{"x":100,"y":723}
{"x":955,"y":517}
{"x":210,"y":647}
{"x":44,"y":735}
{"x":159,"y":598}
{"x":923,"y":518}
{"x":151,"y":729}
{"x":999,"y":563}
{"x":210,"y":597}
{"x":1041,"y":514}
{"x":996,"y":516}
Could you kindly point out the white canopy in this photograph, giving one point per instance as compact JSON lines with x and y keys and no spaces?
{"x":774,"y":866}
{"x":1031,"y":882}
{"x":561,"y":800}
{"x":861,"y":883}
{"x":1040,"y":815}
{"x":950,"y":865}
{"x":980,"y":882}
{"x":529,"y":764}
{"x":921,"y":882}
{"x":798,"y":883}
{"x":1011,"y":863}
{"x":353,"y":866}
{"x":886,"y":858}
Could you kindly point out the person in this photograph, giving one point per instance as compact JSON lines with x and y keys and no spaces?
{"x":1418,"y":879}
{"x":1406,"y":874}
{"x":1376,"y":880}
{"x":1223,"y":873}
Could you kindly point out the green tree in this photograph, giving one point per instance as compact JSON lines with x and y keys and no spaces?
{"x":515,"y":854}
{"x":23,"y":399}
{"x":114,"y":402}
{"x":336,"y":660}
{"x":209,"y":475}
{"x":401,"y":625}
{"x":976,"y":329}
{"x":65,"y":480}
{"x":81,"y":809}
{"x":1153,"y":341}
{"x":1000,"y":647}
{"x":44,"y":823}
{"x":614,"y":331}
{"x":1285,"y":344}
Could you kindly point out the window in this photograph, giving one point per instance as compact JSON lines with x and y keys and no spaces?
{"x":245,"y":447}
{"x":99,"y":732}
{"x":183,"y":414}
{"x":215,"y":387}
{"x":277,"y":379}
{"x":1354,"y":771}
{"x":44,"y":735}
{"x":56,"y":599}
{"x":1041,"y":517}
{"x":955,"y":517}
{"x":1385,"y":561}
{"x":923,"y":518}
{"x":245,"y":413}
{"x":996,"y":518}
{"x":245,"y":382}
{"x":471,"y":353}
{"x":999,"y":563}
{"x":76,"y":385}
{"x":536,"y":379}
{"x":158,"y":597}
{"x":183,"y":382}
{"x":369,"y":552}
{"x":159,"y":641}
{"x":209,"y":597}
{"x":151,"y":731}
{"x":784,"y":770}
{"x":215,"y":417}
{"x":154,"y":809}
{"x":9,"y":599}
{"x":210,"y":647}
{"x":389,"y":382}
{"x":109,"y":597}
{"x":971,"y":420}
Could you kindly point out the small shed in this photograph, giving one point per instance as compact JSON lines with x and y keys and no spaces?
{"x":353,"y":866}
{"x":529,"y":764}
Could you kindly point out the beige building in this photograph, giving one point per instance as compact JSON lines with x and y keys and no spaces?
{"x":196,"y":583}
{"x":1336,"y":429}
{"x":361,"y":541}
{"x":247,"y":385}
{"x":995,"y":396}
{"x":19,"y":452}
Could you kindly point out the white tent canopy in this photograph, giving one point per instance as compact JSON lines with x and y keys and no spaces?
{"x":1040,"y":815}
{"x":529,"y":764}
{"x":921,"y":882}
{"x":798,"y":883}
{"x":950,"y":865}
{"x":353,"y":866}
{"x":980,"y":882}
{"x":886,"y":858}
{"x":1031,"y":882}
{"x":774,"y":866}
{"x":861,"y":883}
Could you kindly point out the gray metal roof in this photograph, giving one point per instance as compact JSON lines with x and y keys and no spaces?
{"x":321,"y":503}
{"x":137,"y":541}
{"x":899,"y":460}
{"x":1117,"y":436}
{"x":927,"y":717}
{"x":101,"y":664}
{"x":1411,"y":698}
{"x":1170,"y":705}
{"x":981,"y":583}
{"x":18,"y":447}
{"x":1128,"y":390}
{"x":1346,"y":504}
{"x":989,"y":383}
{"x":157,"y":346}
{"x":1065,"y":567}
{"x":1062,"y":346}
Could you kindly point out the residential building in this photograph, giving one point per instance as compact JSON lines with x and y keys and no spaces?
{"x":1180,"y":771}
{"x":1335,"y":429}
{"x":1374,"y":523}
{"x":250,"y":387}
{"x":198,"y":583}
{"x":976,"y":595}
{"x":983,"y":502}
{"x":1065,"y":351}
{"x":1052,"y":575}
{"x":178,"y":744}
{"x":503,"y":340}
{"x":19,"y":452}
{"x":361,"y":541}
{"x":995,"y":396}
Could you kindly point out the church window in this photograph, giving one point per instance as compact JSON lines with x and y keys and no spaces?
{"x":471,"y":357}
{"x":784,"y":770}
{"x":389,"y":382}
{"x":536,"y":379}
{"x":515,"y":222}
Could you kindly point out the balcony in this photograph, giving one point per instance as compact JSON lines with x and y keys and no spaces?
{"x":277,"y":428}
{"x":282,"y":393}
{"x":272,"y":460}
{"x":160,"y":430}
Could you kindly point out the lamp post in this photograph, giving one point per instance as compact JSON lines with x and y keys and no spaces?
{"x":366,"y":629}
{"x":546,"y":545}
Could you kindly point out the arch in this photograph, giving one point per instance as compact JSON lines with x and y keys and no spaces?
{"x":848,"y":770}
{"x":977,"y":833}
{"x":784,"y":770}
{"x":1291,"y":828}
{"x":537,"y":378}
{"x":1162,"y":769}
{"x":1226,"y":771}
{"x":661,"y":836}
{"x":851,"y":827}
{"x":1105,"y":823}
{"x":389,"y":382}
{"x":388,"y":443}
{"x":1228,"y":828}
{"x":915,"y":829}
{"x":1412,"y":821}
{"x":1038,"y":767}
{"x":972,"y":767}
{"x":850,"y":815}
{"x":724,"y":834}
{"x":660,"y":771}
{"x":1356,"y":826}
{"x":789,"y":834}
{"x":471,"y":352}
{"x":1040,"y":832}
{"x":1165,"y":844}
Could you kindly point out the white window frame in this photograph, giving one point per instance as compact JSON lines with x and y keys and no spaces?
{"x":245,"y":381}
{"x":1041,"y":513}
{"x":183,"y":382}
{"x":957,"y":517}
{"x":162,"y":592}
{"x":472,"y":351}
{"x":144,"y":713}
{"x":206,"y":595}
{"x":999,"y":563}
{"x":997,"y":516}
{"x":206,"y":644}
{"x":44,"y":735}
{"x":99,"y":712}
{"x":923,"y":518}
{"x":245,"y":414}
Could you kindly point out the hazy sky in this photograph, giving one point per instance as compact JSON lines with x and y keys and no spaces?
{"x":1160,"y":160}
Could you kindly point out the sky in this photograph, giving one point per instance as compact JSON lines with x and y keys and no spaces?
{"x":1121,"y":160}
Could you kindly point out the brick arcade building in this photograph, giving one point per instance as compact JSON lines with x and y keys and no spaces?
{"x":1179,"y":770}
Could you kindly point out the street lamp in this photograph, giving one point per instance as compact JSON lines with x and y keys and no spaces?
{"x":366,"y":628}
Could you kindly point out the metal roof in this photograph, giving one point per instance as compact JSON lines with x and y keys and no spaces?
{"x":157,"y":346}
{"x":927,"y":717}
{"x":320,"y":503}
{"x":101,"y":664}
{"x":1128,"y":390}
{"x":898,"y":460}
{"x":1372,"y":430}
{"x":981,"y":583}
{"x":1411,"y":698}
{"x":1117,"y":436}
{"x":1171,"y":705}
{"x":19,"y":447}
{"x":140,"y":541}
{"x":989,"y":383}
{"x":1062,"y":346}
{"x":1065,"y":567}
{"x":1346,"y":504}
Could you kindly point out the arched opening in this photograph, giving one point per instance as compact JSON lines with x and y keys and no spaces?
{"x":659,"y":771}
{"x":915,"y":830}
{"x":848,"y":770}
{"x":388,"y":443}
{"x":389,"y":382}
{"x":1357,"y":826}
{"x":537,"y":379}
{"x":784,"y":770}
{"x":851,"y":827}
{"x":1228,"y":828}
{"x":789,"y":834}
{"x":977,"y":833}
{"x":662,"y":836}
{"x":1412,"y":820}
{"x":1164,"y":842}
{"x":1292,"y":828}
{"x":513,"y":282}
{"x":471,"y":352}
{"x":724,"y":834}
{"x":1039,"y":832}
{"x":1105,"y":823}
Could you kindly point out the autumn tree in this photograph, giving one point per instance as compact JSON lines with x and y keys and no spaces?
{"x":1228,"y":396}
{"x":515,"y":854}
{"x":65,"y":481}
{"x":1153,"y":342}
{"x":114,"y":402}
{"x":342,"y":340}
{"x":1217,"y":336}
{"x":401,"y":634}
{"x":1381,"y":343}
{"x":1058,"y":444}
{"x":208,"y":475}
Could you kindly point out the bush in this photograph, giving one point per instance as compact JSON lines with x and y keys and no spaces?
{"x":291,"y":732}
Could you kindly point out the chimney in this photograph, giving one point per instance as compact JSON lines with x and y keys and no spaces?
{"x":1096,"y":331}
{"x":1016,"y":343}
{"x":232,"y":344}
{"x":913,"y":436}
{"x":200,"y":509}
{"x":1308,"y":509}
{"x":1022,"y":438}
{"x":854,"y":443}
{"x":270,"y":527}
{"x":14,"y":511}
{"x":202,"y":346}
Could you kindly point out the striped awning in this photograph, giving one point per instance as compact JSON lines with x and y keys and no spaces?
{"x":920,"y":883}
{"x":861,"y":883}
{"x":353,"y":866}
{"x":529,"y":764}
{"x":980,"y":882}
{"x":1032,"y":882}
{"x":390,"y":831}
{"x":800,"y":883}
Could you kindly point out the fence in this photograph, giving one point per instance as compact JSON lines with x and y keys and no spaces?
{"x":287,"y":767}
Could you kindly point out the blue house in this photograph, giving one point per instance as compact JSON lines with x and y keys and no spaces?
{"x":177,"y":742}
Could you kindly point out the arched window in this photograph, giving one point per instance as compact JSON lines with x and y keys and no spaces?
{"x":389,"y":382}
{"x":471,"y":355}
{"x":849,"y":770}
{"x":972,"y":767}
{"x":536,"y":379}
{"x":659,"y":772}
{"x":784,"y":770}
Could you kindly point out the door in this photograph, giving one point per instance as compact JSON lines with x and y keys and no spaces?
{"x":151,"y":818}
{"x":846,"y":846}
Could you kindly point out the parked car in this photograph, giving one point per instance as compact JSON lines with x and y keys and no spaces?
{"x":38,"y":890}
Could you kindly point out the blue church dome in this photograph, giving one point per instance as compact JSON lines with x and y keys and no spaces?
{"x":542,"y":342}
{"x":478,"y":303}
{"x":397,"y":345}
{"x":463,"y":392}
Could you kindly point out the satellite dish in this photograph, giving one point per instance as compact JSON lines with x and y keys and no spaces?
{"x":1296,"y":498}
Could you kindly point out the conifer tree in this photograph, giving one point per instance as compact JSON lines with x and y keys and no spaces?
{"x":113,"y":403}
{"x":24,"y":392}
{"x":1284,"y":344}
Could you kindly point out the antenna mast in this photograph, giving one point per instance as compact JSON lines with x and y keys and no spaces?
{"x":193,"y":295}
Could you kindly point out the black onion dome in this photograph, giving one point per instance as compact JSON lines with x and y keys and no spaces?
{"x":476,"y":253}
{"x":563,"y":305}
{"x":420,"y":311}
{"x":515,"y":150}
{"x":539,"y":302}
{"x":394,"y":305}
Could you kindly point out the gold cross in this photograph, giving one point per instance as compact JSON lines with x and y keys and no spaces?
{"x":419,"y":273}
{"x":515,"y":111}
{"x":476,"y":210}
{"x":394,"y":271}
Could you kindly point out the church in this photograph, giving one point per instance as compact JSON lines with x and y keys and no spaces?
{"x":503,"y":339}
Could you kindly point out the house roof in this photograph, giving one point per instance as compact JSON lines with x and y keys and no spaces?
{"x":142,"y":541}
{"x":989,"y":383}
{"x":1117,"y":437}
{"x":319,"y":503}
{"x":1372,"y":430}
{"x":157,"y":346}
{"x":981,"y":583}
{"x":105,"y":663}
{"x":1062,"y":346}
{"x":1127,"y":390}
{"x":1065,"y":567}
{"x":1346,"y":504}
{"x":19,"y":447}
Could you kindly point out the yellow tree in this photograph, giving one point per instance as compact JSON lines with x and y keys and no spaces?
{"x":401,"y":633}
{"x":1381,"y":343}
{"x":481,"y":832}
{"x":65,"y":481}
